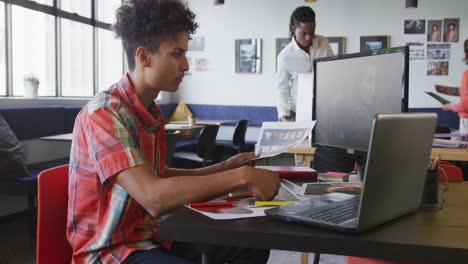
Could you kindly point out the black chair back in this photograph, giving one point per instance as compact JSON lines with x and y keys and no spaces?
{"x":206,"y":144}
{"x":171,"y":140}
{"x":239,"y":134}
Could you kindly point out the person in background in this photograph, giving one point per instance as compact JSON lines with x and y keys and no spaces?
{"x":118,"y":184}
{"x":297,"y":57}
{"x":462,"y":107}
{"x":434,"y":35}
{"x":12,"y":158}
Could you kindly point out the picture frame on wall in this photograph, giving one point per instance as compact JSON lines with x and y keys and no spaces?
{"x":249,"y":55}
{"x":371,"y":43}
{"x":338,"y":45}
{"x":280,"y":44}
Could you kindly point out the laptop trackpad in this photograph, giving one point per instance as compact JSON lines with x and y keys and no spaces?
{"x":305,"y":205}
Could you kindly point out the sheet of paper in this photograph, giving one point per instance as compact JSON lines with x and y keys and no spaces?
{"x":278,"y":137}
{"x":243,"y":208}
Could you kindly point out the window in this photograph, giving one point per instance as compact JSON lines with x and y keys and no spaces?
{"x":106,"y":10}
{"x":77,"y":59}
{"x":33,"y":50}
{"x":71,"y":52}
{"x":110,"y":59}
{"x":3,"y":90}
{"x":80,"y":7}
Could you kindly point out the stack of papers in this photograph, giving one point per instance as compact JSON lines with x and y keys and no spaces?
{"x":332,"y":176}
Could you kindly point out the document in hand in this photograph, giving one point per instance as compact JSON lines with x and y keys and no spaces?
{"x":438,"y":98}
{"x":278,"y":137}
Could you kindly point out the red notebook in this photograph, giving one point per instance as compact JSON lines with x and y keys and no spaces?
{"x":292,"y":171}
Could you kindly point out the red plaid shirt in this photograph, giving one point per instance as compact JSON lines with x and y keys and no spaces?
{"x":112,"y":133}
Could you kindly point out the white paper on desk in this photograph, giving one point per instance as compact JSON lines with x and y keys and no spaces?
{"x":245,"y":208}
{"x":255,"y":212}
{"x":278,"y":137}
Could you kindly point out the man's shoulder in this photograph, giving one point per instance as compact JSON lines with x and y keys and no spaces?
{"x":287,"y":51}
{"x":108,"y":99}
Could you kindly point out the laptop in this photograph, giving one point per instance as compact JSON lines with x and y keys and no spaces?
{"x":394,"y":177}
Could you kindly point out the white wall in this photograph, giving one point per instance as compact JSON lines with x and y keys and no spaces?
{"x":269,"y":19}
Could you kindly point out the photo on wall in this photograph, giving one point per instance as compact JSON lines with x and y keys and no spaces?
{"x":437,"y":68}
{"x":415,"y":26}
{"x":338,"y":45}
{"x":197,"y":43}
{"x":451,"y":29}
{"x":434,"y":30}
{"x":280,"y":44}
{"x":248,"y":55}
{"x":201,"y":64}
{"x":371,"y":43}
{"x":438,"y":51}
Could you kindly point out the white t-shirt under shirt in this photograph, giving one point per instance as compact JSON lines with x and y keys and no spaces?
{"x":291,"y":61}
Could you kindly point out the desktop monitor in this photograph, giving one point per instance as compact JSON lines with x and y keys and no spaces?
{"x":350,"y":89}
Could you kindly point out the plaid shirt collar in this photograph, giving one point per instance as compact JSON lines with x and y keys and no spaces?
{"x":151,"y":117}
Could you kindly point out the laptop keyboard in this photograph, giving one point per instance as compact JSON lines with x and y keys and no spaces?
{"x":337,"y":212}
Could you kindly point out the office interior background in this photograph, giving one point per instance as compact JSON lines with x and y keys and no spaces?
{"x":71,"y":49}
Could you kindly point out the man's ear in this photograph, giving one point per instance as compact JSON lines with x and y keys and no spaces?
{"x":142,"y":57}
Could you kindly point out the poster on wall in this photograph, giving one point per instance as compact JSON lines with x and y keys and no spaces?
{"x":438,"y":51}
{"x":415,"y":26}
{"x":451,"y":29}
{"x":338,"y":45}
{"x":434,"y":30}
{"x":197,"y":43}
{"x":370,"y":43}
{"x":437,"y":68}
{"x":416,"y":51}
{"x":248,"y":55}
{"x":201,"y":64}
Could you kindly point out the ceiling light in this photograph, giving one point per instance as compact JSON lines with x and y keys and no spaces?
{"x":411,"y":3}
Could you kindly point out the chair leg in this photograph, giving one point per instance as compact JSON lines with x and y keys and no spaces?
{"x":317,"y":258}
{"x":32,"y":216}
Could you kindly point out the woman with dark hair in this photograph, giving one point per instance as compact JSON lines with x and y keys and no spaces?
{"x":462,"y":107}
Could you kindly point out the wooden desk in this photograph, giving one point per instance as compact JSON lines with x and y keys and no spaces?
{"x":304,"y":154}
{"x":181,"y":126}
{"x":428,"y":236}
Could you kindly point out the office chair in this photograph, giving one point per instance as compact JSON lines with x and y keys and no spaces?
{"x":52,"y":202}
{"x":205,"y":149}
{"x":171,"y":140}
{"x":238,"y":138}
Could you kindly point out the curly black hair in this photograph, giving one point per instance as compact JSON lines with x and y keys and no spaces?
{"x":302,"y":14}
{"x":146,"y":23}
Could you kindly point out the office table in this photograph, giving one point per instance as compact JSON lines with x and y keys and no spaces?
{"x":428,"y":236}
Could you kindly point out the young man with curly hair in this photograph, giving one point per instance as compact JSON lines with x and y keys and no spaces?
{"x":118,"y":184}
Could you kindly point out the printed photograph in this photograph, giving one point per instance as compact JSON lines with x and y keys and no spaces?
{"x":197,"y":43}
{"x":370,"y":43}
{"x":438,"y":51}
{"x":248,"y":55}
{"x":415,"y":26}
{"x":451,"y":29}
{"x":434,"y":30}
{"x":437,"y":68}
{"x":201,"y":64}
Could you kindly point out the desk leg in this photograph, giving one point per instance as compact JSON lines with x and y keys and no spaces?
{"x":304,"y":257}
{"x":204,"y":258}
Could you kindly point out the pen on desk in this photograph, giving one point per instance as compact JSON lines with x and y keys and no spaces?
{"x":240,"y":196}
{"x":272,"y":203}
{"x":206,"y":204}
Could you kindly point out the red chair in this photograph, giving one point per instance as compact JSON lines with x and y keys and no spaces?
{"x":52,"y":205}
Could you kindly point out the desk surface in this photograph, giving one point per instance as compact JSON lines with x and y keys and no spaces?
{"x":428,"y":236}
